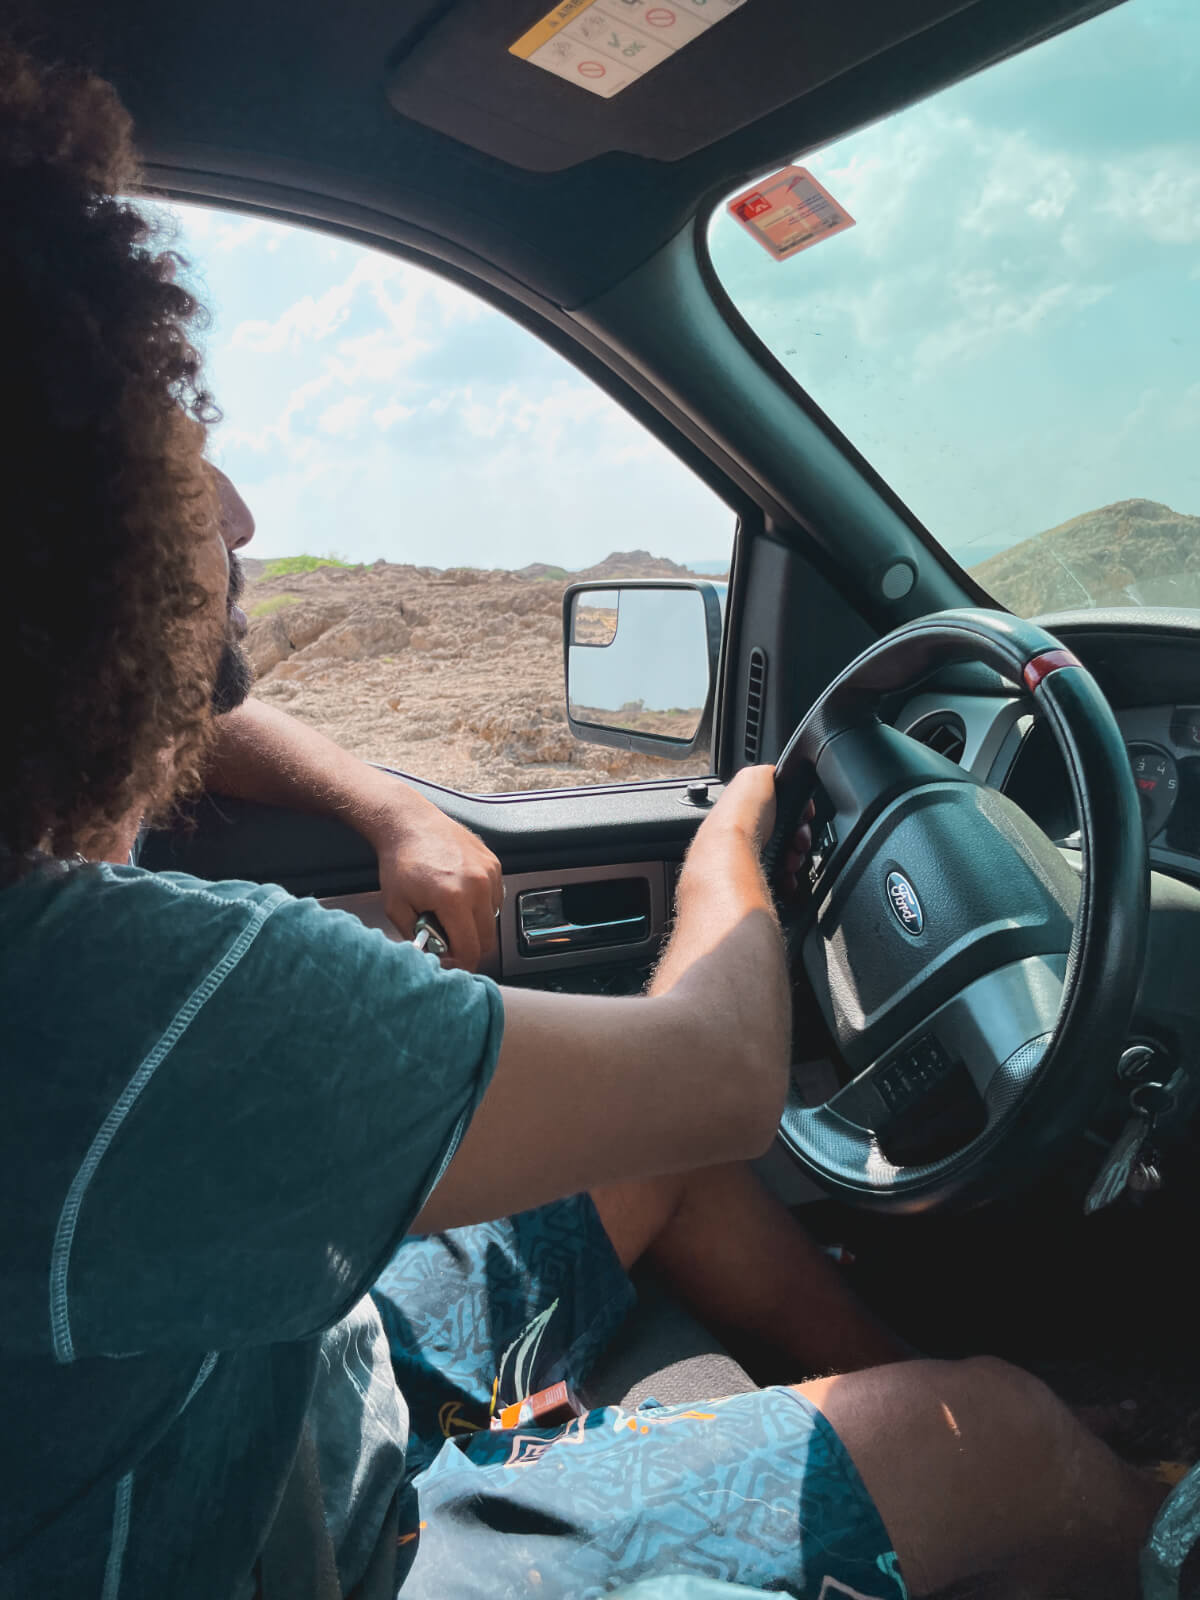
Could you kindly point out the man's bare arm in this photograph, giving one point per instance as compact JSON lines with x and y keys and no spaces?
{"x":590,"y":1090}
{"x":427,"y":861}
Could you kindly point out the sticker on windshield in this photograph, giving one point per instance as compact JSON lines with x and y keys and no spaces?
{"x":789,"y":212}
{"x":605,"y":45}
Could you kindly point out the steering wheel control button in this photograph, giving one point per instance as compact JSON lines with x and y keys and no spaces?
{"x":825,"y":846}
{"x":907,"y":1077}
{"x":906,"y":908}
{"x":932,"y":1107}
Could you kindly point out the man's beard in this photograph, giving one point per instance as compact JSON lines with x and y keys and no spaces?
{"x":235,"y":675}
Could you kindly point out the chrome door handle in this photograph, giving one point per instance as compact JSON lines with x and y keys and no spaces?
{"x":577,"y":935}
{"x":545,"y":928}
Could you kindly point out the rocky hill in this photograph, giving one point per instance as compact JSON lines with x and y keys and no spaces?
{"x":453,"y":675}
{"x":1135,"y":552}
{"x":621,"y":564}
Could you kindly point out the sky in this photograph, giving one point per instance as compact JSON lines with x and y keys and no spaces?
{"x":370,"y":409}
{"x":1010,"y":333}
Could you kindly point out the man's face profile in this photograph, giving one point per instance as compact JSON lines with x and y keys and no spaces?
{"x":235,"y":676}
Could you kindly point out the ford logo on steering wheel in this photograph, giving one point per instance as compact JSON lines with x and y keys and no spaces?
{"x":902,"y":898}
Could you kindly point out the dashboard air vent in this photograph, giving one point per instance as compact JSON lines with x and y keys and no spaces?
{"x":756,"y":688}
{"x":943,"y":732}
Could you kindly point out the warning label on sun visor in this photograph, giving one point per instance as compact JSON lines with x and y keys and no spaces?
{"x":605,"y":45}
{"x":788,"y":212}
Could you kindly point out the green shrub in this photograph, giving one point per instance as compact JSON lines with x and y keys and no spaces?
{"x":276,"y":602}
{"x":290,"y":566}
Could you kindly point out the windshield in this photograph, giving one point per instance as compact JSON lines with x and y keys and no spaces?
{"x":1009,"y":330}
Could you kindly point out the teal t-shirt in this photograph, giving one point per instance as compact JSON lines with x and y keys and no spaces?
{"x":220,"y":1110}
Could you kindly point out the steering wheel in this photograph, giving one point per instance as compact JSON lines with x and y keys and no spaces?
{"x":978,"y":987}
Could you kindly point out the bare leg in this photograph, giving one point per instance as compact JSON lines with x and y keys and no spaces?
{"x":979,"y":1472}
{"x":739,"y":1257}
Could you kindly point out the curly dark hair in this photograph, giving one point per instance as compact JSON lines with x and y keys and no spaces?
{"x":105,"y":641}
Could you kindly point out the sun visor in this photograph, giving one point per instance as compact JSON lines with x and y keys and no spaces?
{"x":547,"y":87}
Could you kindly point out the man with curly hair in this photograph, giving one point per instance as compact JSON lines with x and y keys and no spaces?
{"x":223,"y":1109}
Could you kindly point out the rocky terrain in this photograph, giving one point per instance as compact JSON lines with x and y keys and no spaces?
{"x":454,"y":675}
{"x":1135,"y":552}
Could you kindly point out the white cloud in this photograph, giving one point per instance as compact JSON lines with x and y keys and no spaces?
{"x":311,"y":318}
{"x":377,"y":357}
{"x":878,"y":186}
{"x":231,"y":235}
{"x":991,"y":310}
{"x":489,"y":419}
{"x":1156,"y":195}
{"x":343,"y":417}
{"x":221,"y":232}
{"x":1023,"y":186}
{"x":1183,"y":416}
{"x":279,"y":434}
{"x":388,"y":415}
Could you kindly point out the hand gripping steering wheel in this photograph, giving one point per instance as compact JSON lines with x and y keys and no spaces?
{"x":977,"y":986}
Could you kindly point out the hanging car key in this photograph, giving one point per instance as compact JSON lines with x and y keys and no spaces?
{"x":1113,"y":1178}
{"x":430,"y":935}
{"x":1131,"y":1158}
{"x":1145,"y":1178}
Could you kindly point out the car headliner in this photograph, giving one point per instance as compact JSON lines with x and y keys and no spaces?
{"x":371,"y":115}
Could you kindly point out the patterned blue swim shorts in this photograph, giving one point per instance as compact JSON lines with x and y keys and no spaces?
{"x":755,"y":1489}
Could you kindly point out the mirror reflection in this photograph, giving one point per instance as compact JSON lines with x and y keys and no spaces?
{"x":594,"y":618}
{"x":638,"y":661}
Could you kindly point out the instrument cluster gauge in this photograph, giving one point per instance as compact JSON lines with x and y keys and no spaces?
{"x":1185,"y":727}
{"x":1157,"y":780}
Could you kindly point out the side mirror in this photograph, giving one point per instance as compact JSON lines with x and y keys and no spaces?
{"x":641,"y":664}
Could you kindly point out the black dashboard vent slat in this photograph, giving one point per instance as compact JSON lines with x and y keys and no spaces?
{"x":756,"y":689}
{"x":943,"y":732}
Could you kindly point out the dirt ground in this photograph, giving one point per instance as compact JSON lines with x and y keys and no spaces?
{"x":455,"y":676}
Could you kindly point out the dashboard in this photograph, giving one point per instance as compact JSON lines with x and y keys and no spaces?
{"x":1164,"y":753}
{"x":1148,"y":664}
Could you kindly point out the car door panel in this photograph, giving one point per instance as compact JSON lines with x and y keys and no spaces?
{"x":611,"y":959}
{"x":583,"y":843}
{"x":310,"y":854}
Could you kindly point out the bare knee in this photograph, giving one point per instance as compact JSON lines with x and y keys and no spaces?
{"x":997,"y":1376}
{"x":994,"y":1386}
{"x":989,"y":1420}
{"x":1023,"y":1415}
{"x":977,"y":1468}
{"x":636,"y":1213}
